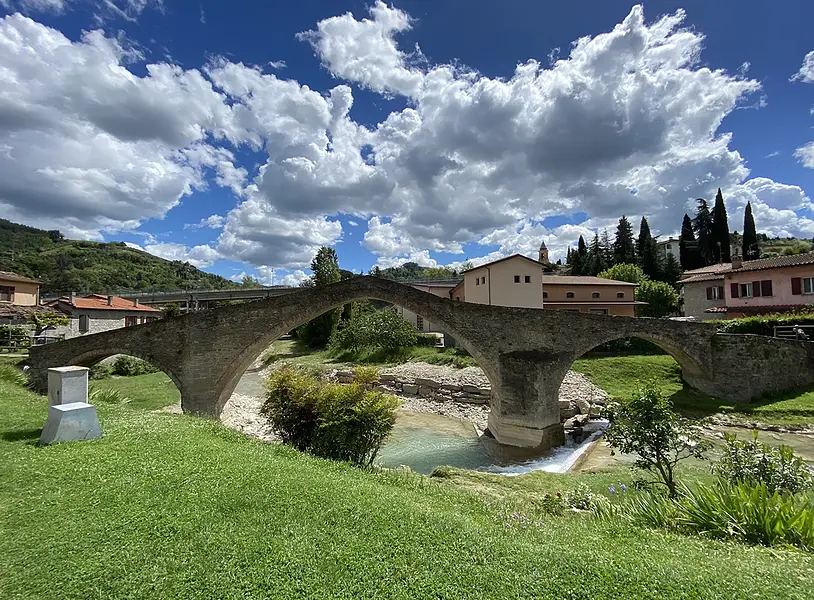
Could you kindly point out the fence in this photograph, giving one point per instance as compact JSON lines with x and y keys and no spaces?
{"x":18,"y":339}
{"x":794,"y":332}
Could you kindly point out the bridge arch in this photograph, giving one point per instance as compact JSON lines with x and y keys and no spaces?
{"x":96,"y":355}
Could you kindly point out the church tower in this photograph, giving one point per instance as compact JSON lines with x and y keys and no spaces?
{"x":542,"y":254}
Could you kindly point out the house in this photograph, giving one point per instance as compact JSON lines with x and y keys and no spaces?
{"x":437,"y":288}
{"x":19,"y":297}
{"x":667,"y":247}
{"x":742,"y":288}
{"x":520,"y":281}
{"x":96,"y":313}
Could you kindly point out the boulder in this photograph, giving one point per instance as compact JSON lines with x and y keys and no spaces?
{"x":384,"y":377}
{"x":409,"y":389}
{"x":596,"y":411}
{"x":582,"y":405}
{"x":429,"y":383}
{"x":576,"y":421}
{"x":564,"y":404}
{"x":425,"y":392}
{"x":471,"y":389}
{"x":567,"y":413}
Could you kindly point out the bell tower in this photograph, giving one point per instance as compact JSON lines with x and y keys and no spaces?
{"x":542,"y":254}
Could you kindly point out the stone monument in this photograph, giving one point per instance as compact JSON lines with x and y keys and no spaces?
{"x":70,"y":417}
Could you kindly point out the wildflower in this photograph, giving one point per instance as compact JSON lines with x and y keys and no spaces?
{"x":612,"y":489}
{"x":623,"y":487}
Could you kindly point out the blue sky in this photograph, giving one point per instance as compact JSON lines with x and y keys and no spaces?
{"x":241,"y":136}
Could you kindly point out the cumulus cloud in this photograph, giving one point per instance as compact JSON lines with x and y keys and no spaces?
{"x":805,"y":154}
{"x":197,"y":256}
{"x":210,"y":222}
{"x":806,"y":72}
{"x":421,"y":258}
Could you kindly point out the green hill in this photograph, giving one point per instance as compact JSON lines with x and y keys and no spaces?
{"x":104,"y":267}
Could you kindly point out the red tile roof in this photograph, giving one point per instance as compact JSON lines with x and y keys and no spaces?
{"x":9,"y":276}
{"x":101,"y":302}
{"x":775,"y":262}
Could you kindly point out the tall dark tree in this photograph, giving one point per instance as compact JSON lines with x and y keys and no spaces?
{"x":579,"y":257}
{"x":647,"y":252}
{"x":671,"y":271}
{"x":702,"y":224}
{"x":607,"y":248}
{"x":751,"y":249}
{"x":687,"y":246}
{"x":624,"y":249}
{"x":596,"y":259}
{"x":720,"y":231}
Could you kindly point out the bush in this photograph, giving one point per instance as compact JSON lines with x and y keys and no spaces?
{"x":340,"y":422}
{"x":426,"y":340}
{"x":662,"y":299}
{"x":753,"y":463}
{"x":647,"y":426}
{"x":14,"y":336}
{"x":582,"y":498}
{"x":366,"y":376}
{"x":129,"y":366}
{"x":764,"y":324}
{"x":383,"y":329}
{"x":11,"y":374}
{"x":100,"y":371}
{"x":624,"y":272}
{"x":107,"y":396}
{"x":752,"y":513}
{"x":646,"y":509}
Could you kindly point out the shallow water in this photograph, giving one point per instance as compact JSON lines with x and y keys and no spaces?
{"x":425,"y":441}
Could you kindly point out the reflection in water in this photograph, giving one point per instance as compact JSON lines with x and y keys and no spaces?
{"x":425,"y":441}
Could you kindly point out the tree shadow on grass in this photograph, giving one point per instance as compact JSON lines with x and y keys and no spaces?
{"x":31,"y":436}
{"x":694,"y":404}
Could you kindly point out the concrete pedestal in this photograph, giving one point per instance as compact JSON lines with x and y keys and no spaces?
{"x":73,"y":422}
{"x":67,"y":385}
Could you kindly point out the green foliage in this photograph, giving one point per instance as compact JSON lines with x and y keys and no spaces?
{"x":647,"y":252}
{"x":411,"y":271}
{"x":672,"y":270}
{"x":752,"y":513}
{"x":582,"y":498}
{"x":42,"y":321}
{"x":426,"y":340}
{"x":383,"y":329}
{"x":647,"y":426}
{"x":129,"y":366}
{"x":630,"y":345}
{"x":14,"y":336}
{"x":11,"y":374}
{"x":763,"y":324}
{"x":366,"y":375}
{"x":339,"y":422}
{"x":662,"y":299}
{"x":624,"y":272}
{"x":752,"y":462}
{"x":688,"y":246}
{"x":705,"y":236}
{"x":624,"y":248}
{"x":81,"y":266}
{"x":170,"y":310}
{"x":325,"y":269}
{"x":107,"y":396}
{"x":720,"y":231}
{"x":750,"y":249}
{"x":100,"y":371}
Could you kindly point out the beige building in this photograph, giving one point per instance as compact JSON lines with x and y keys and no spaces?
{"x":19,"y":296}
{"x":438,"y":288}
{"x":520,"y":281}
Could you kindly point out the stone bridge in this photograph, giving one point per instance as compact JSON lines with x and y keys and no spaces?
{"x":525,"y":352}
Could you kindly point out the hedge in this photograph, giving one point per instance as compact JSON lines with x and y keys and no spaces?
{"x":763,"y":324}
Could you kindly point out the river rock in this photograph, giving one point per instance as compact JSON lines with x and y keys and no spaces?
{"x":450,"y":387}
{"x":410,"y":389}
{"x":583,"y":405}
{"x":429,"y":383}
{"x":576,"y":421}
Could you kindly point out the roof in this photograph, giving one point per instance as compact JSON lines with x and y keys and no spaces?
{"x":452,"y":291}
{"x":16,"y":311}
{"x":505,"y":258}
{"x":594,"y":303}
{"x":720,"y":270}
{"x":755,"y":309}
{"x":101,"y":302}
{"x":9,"y":276}
{"x":543,"y":246}
{"x":582,"y":280}
{"x":435,"y":284}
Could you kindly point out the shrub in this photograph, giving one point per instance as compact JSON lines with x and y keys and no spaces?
{"x":645,"y":508}
{"x":662,"y":299}
{"x":764,"y":324}
{"x":14,"y":336}
{"x":107,"y":396}
{"x":383,"y":329}
{"x":340,"y":422}
{"x":11,"y":374}
{"x":99,"y":371}
{"x":582,"y":498}
{"x":366,"y":376}
{"x":752,"y":513}
{"x":753,"y":462}
{"x":129,"y":366}
{"x":426,"y":340}
{"x":647,"y":426}
{"x":624,"y":272}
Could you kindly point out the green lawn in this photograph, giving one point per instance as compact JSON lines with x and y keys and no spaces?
{"x":149,"y":392}
{"x":169,"y":506}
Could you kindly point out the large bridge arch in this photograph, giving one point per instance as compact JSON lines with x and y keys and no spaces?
{"x":525,"y":352}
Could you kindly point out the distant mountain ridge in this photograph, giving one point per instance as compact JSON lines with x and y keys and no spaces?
{"x":104,"y":267}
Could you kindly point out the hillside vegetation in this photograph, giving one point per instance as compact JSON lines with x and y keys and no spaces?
{"x":80,"y":266}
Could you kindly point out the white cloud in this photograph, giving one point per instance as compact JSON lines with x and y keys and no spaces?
{"x":772,"y":154}
{"x":197,"y":256}
{"x":210,"y":222}
{"x":42,"y":6}
{"x":277,"y":64}
{"x":421,"y":258}
{"x":806,"y":72}
{"x":293,"y":279}
{"x":353,"y":223}
{"x":805,"y":154}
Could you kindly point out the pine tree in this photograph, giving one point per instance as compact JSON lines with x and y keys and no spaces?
{"x":624,"y":249}
{"x":607,"y":248}
{"x":579,"y":257}
{"x":671,"y":271}
{"x":325,"y":269}
{"x":702,"y":224}
{"x":647,"y":252}
{"x":720,"y":231}
{"x":596,"y":259}
{"x":751,"y":250}
{"x":688,"y":247}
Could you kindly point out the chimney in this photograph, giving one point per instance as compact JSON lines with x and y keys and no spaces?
{"x":135,"y":301}
{"x":73,"y":295}
{"x":737,"y":261}
{"x":110,"y":300}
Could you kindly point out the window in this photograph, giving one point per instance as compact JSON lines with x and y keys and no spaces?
{"x":620,"y":295}
{"x":766,"y":287}
{"x":715,"y":292}
{"x":483,"y":279}
{"x":569,"y":294}
{"x":669,"y":246}
{"x":84,"y":323}
{"x":599,"y":311}
{"x":545,"y":294}
{"x":130,"y":321}
{"x":517,"y":278}
{"x":528,"y":278}
{"x":595,"y":295}
{"x":808,"y":285}
{"x":419,"y":322}
{"x":6,"y":293}
{"x":745,"y":290}
{"x":477,"y":281}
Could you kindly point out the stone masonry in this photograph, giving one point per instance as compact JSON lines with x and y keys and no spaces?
{"x":525,"y":352}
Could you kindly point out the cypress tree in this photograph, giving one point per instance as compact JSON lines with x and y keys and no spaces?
{"x":751,"y":250}
{"x":702,"y":224}
{"x":720,"y":231}
{"x":647,"y":252}
{"x":596,"y":259}
{"x":579,"y":257}
{"x":624,"y":249}
{"x":672,"y":270}
{"x":687,"y":246}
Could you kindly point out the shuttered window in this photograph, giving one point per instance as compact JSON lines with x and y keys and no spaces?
{"x":766,"y":287}
{"x":733,"y":290}
{"x":796,"y":286}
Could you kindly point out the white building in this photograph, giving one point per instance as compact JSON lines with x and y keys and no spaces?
{"x":96,"y":313}
{"x":669,"y":246}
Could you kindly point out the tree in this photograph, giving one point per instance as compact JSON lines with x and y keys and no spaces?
{"x":249,"y":281}
{"x":662,"y":299}
{"x":720,"y":231}
{"x":607,"y":249}
{"x":624,"y":272}
{"x":702,"y":224}
{"x":325,"y":271}
{"x":624,"y":249}
{"x":751,"y":249}
{"x":647,"y":426}
{"x":579,"y":258}
{"x":170,"y":310}
{"x":42,"y":321}
{"x":672,"y":270}
{"x":687,"y":246}
{"x":647,"y":252}
{"x":596,"y":258}
{"x":373,"y":329}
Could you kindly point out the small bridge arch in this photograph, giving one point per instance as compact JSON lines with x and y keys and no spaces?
{"x":525,"y":352}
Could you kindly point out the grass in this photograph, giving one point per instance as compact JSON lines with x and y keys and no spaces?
{"x":169,"y":506}
{"x":147,"y":392}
